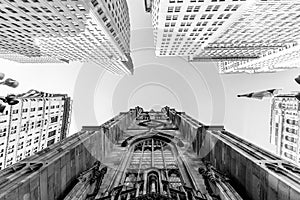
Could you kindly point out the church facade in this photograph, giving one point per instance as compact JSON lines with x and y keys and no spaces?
{"x":152,"y":155}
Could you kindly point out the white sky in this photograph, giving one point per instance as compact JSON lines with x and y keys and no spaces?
{"x":197,"y":89}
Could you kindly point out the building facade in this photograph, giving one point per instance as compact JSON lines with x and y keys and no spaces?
{"x":185,"y":27}
{"x":239,"y":35}
{"x":271,"y":61}
{"x":152,"y":155}
{"x":65,"y":31}
{"x":36,"y":122}
{"x":285,"y":127}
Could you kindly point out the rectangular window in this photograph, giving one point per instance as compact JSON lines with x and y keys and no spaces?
{"x":51,"y":133}
{"x":50,"y":142}
{"x":189,"y":8}
{"x":54,"y":119}
{"x":177,"y":9}
{"x":170,"y":9}
{"x":95,"y":3}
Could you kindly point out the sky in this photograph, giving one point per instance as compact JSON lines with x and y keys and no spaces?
{"x":195,"y":88}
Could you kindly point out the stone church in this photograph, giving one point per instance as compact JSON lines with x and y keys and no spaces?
{"x":141,"y":154}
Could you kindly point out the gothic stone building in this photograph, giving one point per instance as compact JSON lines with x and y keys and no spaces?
{"x":151,"y":155}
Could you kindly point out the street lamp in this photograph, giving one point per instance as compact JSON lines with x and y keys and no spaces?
{"x":260,"y":94}
{"x":10,"y":82}
{"x":298,"y":79}
{"x":11,"y":98}
{"x":298,"y":96}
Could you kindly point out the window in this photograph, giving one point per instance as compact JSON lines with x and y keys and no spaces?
{"x":36,"y":9}
{"x":80,"y":7}
{"x":3,"y":134}
{"x":95,"y":3}
{"x":177,"y":9}
{"x":197,"y":8}
{"x":170,"y":9}
{"x":50,"y":142}
{"x":291,"y":139}
{"x":290,"y":156}
{"x":54,"y":119}
{"x":100,"y":11}
{"x":51,"y":133}
{"x":189,"y":8}
{"x":104,"y":18}
{"x":11,"y":10}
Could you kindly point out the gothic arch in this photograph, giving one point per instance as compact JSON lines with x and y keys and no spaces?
{"x":152,"y":165}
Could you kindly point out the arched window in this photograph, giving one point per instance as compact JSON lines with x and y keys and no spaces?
{"x":152,"y":168}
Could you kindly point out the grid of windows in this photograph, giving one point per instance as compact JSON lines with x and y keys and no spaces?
{"x":266,"y":27}
{"x":233,"y":32}
{"x":44,"y":31}
{"x":276,"y":60}
{"x":201,"y":21}
{"x":285,"y":127}
{"x":40,"y":122}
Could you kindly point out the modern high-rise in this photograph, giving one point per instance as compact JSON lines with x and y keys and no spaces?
{"x":64,"y":31}
{"x":36,"y":122}
{"x":271,"y":61}
{"x":185,"y":27}
{"x":227,"y":31}
{"x":152,"y":155}
{"x":285,"y":127}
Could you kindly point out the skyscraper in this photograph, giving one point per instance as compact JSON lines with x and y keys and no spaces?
{"x":36,"y":122}
{"x":230,"y":32}
{"x":271,"y":61}
{"x":184,"y":27}
{"x":152,"y":155}
{"x":64,"y":31}
{"x":285,"y":127}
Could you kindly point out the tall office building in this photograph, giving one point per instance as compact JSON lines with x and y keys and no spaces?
{"x":271,"y":61}
{"x":152,"y":155}
{"x":184,"y":27}
{"x":285,"y":127}
{"x":65,"y":31}
{"x":231,"y":32}
{"x":36,"y":122}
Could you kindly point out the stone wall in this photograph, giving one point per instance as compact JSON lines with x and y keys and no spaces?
{"x":52,"y":173}
{"x":244,"y":163}
{"x":58,"y":172}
